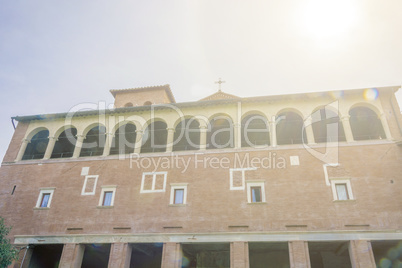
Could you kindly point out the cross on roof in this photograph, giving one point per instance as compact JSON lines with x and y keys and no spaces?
{"x":220,"y":83}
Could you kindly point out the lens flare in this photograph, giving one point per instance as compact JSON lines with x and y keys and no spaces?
{"x":370,"y":94}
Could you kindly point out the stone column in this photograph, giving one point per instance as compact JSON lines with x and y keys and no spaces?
{"x":138,"y":141}
{"x":203,"y":137}
{"x":171,"y":255}
{"x":50,"y":147}
{"x":347,"y":128}
{"x":108,"y":144}
{"x":361,"y":254}
{"x":72,"y":255}
{"x":169,"y":141}
{"x":22,"y":149}
{"x":239,"y":255}
{"x":120,"y":255}
{"x":384,"y":123}
{"x":237,"y":135}
{"x":309,"y":131}
{"x":272,"y":133}
{"x":78,"y":145}
{"x":298,"y":254}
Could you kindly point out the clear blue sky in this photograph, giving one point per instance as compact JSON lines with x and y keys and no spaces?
{"x":57,"y":54}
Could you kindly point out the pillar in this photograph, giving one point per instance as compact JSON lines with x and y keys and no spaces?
{"x":171,"y":255}
{"x":72,"y":255}
{"x":237,"y":135}
{"x":308,"y":126}
{"x":298,"y":254}
{"x":203,"y":137}
{"x":22,"y":149}
{"x":361,"y":254}
{"x":108,"y":144}
{"x":272,"y":133}
{"x":169,"y":141}
{"x":347,"y":128}
{"x":239,"y":255}
{"x":138,"y":142}
{"x":78,"y":145}
{"x":50,"y":147}
{"x":384,"y":123}
{"x":120,"y":255}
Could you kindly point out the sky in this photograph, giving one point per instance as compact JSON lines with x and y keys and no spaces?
{"x":55,"y":55}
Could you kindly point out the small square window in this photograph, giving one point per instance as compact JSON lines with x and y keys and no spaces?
{"x":255,"y":192}
{"x":238,"y":177}
{"x":153,"y":182}
{"x":178,"y":193}
{"x":45,"y":198}
{"x":107,"y":196}
{"x":341,"y":189}
{"x":89,"y":185}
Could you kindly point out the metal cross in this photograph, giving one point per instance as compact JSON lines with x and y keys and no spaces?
{"x":220,"y":83}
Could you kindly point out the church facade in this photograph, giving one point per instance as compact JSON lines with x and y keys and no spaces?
{"x":300,"y":180}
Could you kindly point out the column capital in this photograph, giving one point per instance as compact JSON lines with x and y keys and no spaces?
{"x":26,"y":140}
{"x":170,"y":129}
{"x":345,"y":117}
{"x":53,"y":138}
{"x":139,"y":131}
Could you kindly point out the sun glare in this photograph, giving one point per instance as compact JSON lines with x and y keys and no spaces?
{"x":326,"y":19}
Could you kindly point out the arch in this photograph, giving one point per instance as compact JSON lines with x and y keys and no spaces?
{"x":187,"y":135}
{"x":34,"y":132}
{"x":128,"y":104}
{"x":124,"y":139}
{"x":255,"y":130}
{"x":220,"y":132}
{"x":147,"y":103}
{"x":65,"y":144}
{"x":365,"y":124}
{"x":327,"y":126}
{"x":154,"y":138}
{"x":94,"y":141}
{"x":290,"y":128}
{"x":38,"y":143}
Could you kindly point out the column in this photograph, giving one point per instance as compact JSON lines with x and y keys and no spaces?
{"x":50,"y":147}
{"x":203,"y":137}
{"x":272,"y":133}
{"x":237,"y":135}
{"x":138,"y":141}
{"x":309,"y":131}
{"x":347,"y":128}
{"x":298,"y":254}
{"x":78,"y":145}
{"x":239,"y":255}
{"x":169,"y":141}
{"x":361,"y":254}
{"x":22,"y":149}
{"x":108,"y":144}
{"x":171,"y":255}
{"x":72,"y":255}
{"x":384,"y":123}
{"x":120,"y":255}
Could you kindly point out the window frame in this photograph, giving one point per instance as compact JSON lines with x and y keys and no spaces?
{"x":85,"y":185}
{"x":42,"y":193}
{"x":251,"y":184}
{"x":243,"y":174}
{"x":106,"y":189}
{"x":173,"y":188}
{"x":144,"y":174}
{"x":337,"y":181}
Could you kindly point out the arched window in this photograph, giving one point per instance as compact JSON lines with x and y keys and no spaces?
{"x":65,"y":144}
{"x":365,"y":124}
{"x":254,"y":131}
{"x":154,"y":138}
{"x":220,"y":133}
{"x":37,"y":147}
{"x":187,"y":135}
{"x":94,"y":141}
{"x":128,"y":104}
{"x":327,"y":127}
{"x":289,"y":129}
{"x":124,"y":140}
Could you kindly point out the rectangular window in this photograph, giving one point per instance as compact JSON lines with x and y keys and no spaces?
{"x":89,"y":185}
{"x":341,"y":189}
{"x":178,"y":193}
{"x":238,"y":177}
{"x":153,"y":182}
{"x":107,"y":196}
{"x":45,"y":197}
{"x":255,"y":192}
